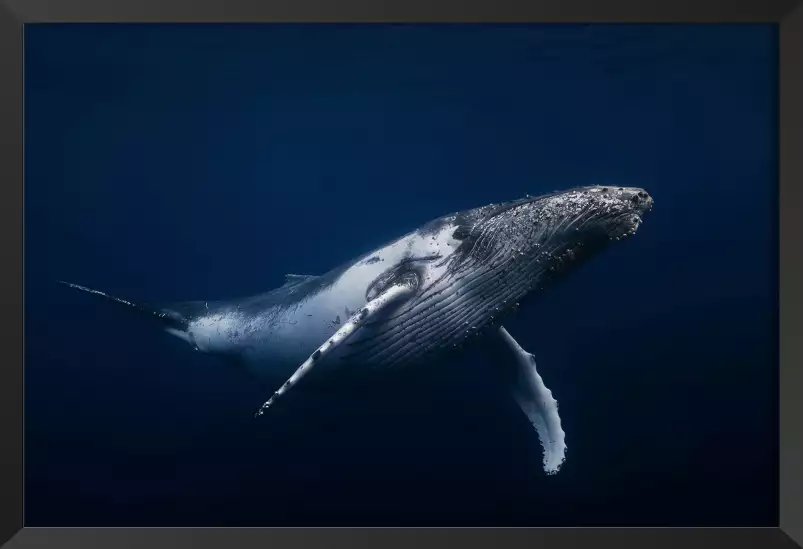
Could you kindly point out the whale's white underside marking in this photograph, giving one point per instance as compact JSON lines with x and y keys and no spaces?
{"x":281,"y":339}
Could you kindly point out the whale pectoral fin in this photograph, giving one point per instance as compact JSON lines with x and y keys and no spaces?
{"x":536,"y":401}
{"x":376,"y":305}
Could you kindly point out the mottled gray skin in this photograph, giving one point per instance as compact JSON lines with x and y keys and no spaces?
{"x":469,"y":268}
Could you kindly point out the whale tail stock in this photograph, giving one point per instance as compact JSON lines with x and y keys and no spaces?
{"x":169,"y":319}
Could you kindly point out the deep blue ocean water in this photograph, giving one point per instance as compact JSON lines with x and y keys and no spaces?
{"x":166,"y":163}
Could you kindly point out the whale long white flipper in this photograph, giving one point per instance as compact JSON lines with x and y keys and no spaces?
{"x":370,"y":309}
{"x":536,"y":401}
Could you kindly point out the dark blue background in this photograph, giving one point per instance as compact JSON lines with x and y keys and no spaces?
{"x":196,"y":162}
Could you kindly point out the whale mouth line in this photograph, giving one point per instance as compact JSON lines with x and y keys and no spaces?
{"x":625,"y":224}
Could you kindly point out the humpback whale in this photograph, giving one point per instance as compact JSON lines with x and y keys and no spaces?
{"x":448,"y":283}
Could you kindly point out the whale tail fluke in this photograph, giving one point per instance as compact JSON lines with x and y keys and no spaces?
{"x":169,"y":319}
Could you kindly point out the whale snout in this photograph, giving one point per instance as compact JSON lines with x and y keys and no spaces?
{"x":626,"y":199}
{"x":618,"y":210}
{"x":632,"y":196}
{"x":638,"y":198}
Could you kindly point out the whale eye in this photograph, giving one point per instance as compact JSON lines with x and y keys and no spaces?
{"x":407,"y":272}
{"x":461,"y":233}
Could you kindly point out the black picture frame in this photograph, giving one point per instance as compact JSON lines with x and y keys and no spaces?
{"x":788,"y":14}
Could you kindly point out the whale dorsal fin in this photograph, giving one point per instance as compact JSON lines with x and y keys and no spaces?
{"x":293,"y":279}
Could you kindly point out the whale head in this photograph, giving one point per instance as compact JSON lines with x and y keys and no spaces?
{"x":533,"y":237}
{"x":472,"y":267}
